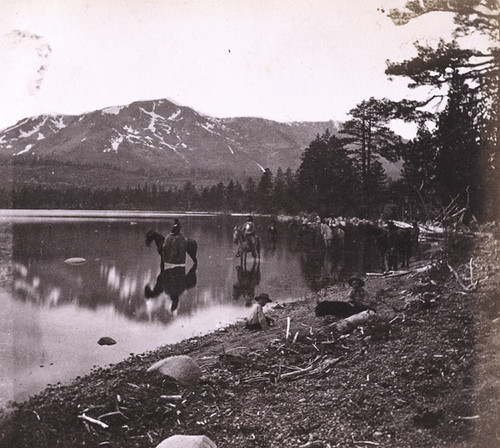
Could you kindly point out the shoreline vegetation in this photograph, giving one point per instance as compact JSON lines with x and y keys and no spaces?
{"x":421,"y":373}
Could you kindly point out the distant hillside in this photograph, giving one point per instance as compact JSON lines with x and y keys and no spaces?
{"x":149,"y":141}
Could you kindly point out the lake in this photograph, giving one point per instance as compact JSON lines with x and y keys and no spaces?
{"x":53,"y":313}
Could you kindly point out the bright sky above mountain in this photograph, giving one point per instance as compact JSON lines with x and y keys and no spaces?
{"x":279,"y":59}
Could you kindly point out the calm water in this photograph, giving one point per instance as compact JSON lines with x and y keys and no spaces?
{"x":52,"y":313}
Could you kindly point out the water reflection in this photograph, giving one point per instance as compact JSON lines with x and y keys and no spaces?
{"x":246,"y":281}
{"x":119,"y":264}
{"x":173,"y":282}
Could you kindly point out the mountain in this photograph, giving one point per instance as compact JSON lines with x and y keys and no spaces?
{"x":153,"y":140}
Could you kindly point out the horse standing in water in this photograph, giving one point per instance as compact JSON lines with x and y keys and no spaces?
{"x":191,"y":246}
{"x":331,"y":234}
{"x":244,"y":245}
{"x":272,"y":233}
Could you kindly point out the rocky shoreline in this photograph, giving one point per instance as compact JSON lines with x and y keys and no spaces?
{"x":421,"y":373}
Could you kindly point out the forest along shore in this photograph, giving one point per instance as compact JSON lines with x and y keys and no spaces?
{"x":423,"y":372}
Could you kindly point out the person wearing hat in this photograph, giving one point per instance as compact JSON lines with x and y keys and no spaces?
{"x":176,"y":228}
{"x":358,"y":296}
{"x":257,"y":320}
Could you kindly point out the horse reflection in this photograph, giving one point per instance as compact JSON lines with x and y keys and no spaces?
{"x":247,"y":281}
{"x":333,"y":266}
{"x":322,"y":268}
{"x":173,"y":282}
{"x":272,"y":234}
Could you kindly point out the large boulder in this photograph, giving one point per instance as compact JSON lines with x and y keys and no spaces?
{"x":182,"y":369}
{"x":181,"y":441}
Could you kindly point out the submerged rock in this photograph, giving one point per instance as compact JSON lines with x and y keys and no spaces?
{"x":106,"y":340}
{"x":182,"y":369}
{"x":75,"y":261}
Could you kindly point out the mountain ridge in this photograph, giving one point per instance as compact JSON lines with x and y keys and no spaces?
{"x":159,"y":136}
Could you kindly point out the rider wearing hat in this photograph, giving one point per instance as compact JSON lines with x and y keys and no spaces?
{"x":249,"y":232}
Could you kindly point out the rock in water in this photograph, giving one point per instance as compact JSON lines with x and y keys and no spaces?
{"x":182,"y":369}
{"x":75,"y":261}
{"x":106,"y":340}
{"x":182,"y":441}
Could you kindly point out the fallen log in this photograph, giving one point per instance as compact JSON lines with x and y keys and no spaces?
{"x":350,"y":323}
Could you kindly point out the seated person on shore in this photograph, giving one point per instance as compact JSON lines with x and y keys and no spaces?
{"x":257,"y":320}
{"x":358,"y":300}
{"x":358,"y":296}
{"x":174,"y":247}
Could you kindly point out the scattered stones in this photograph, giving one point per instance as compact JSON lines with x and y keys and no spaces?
{"x":182,"y":369}
{"x":106,"y":340}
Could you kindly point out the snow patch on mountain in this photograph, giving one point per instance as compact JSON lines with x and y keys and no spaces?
{"x":208,"y":127}
{"x":175,"y":115}
{"x":40,"y":136}
{"x":115,"y":143}
{"x":164,"y":143}
{"x":17,"y":125}
{"x":230,"y":149}
{"x":26,"y":149}
{"x":130,"y":130}
{"x":260,"y":166}
{"x":58,"y":122}
{"x":154,"y":116}
{"x":112,"y":110}
{"x":36,"y":128}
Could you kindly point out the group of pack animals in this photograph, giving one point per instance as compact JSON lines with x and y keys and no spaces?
{"x":396,"y":245}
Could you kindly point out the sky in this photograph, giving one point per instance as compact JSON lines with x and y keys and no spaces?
{"x":285,"y":60}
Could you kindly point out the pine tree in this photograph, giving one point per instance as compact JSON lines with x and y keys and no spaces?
{"x":439,"y":67}
{"x":326,"y":177}
{"x":370,"y":137}
{"x":279,"y":191}
{"x":265,"y":191}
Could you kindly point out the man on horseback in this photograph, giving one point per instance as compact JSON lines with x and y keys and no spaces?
{"x":174,"y":247}
{"x":249,"y":233}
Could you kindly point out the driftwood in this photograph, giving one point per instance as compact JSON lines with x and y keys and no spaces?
{"x":350,"y":323}
{"x":467,"y":288}
{"x":172,"y":397}
{"x":297,"y":372}
{"x":93,"y":420}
